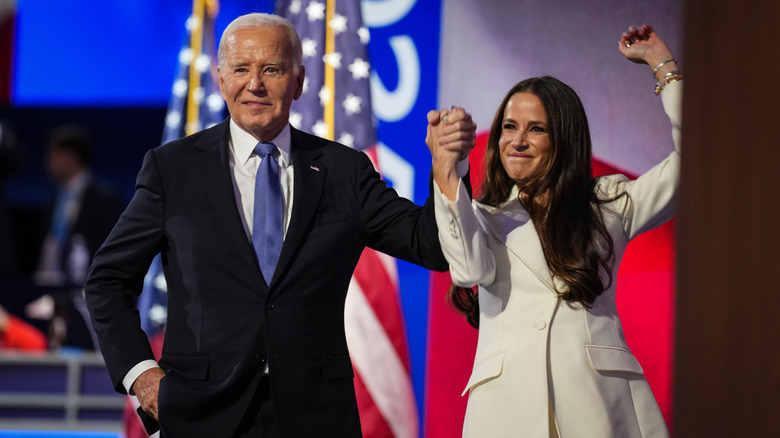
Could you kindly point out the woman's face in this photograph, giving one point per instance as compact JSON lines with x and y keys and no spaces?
{"x":525,"y":140}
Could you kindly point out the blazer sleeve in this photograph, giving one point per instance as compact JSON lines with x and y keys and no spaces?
{"x":463,"y":241}
{"x":650,"y":200}
{"x":117,"y":273}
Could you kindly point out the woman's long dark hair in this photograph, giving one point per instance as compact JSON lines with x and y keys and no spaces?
{"x":574,"y":238}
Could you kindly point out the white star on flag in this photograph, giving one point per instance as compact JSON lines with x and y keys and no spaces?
{"x":333,"y":59}
{"x":320,"y":128}
{"x":295,"y":7}
{"x":315,"y":11}
{"x":215,"y":103}
{"x":347,"y":139}
{"x":359,"y":68}
{"x":364,"y":34}
{"x":158,"y":313}
{"x":351,"y":104}
{"x":192,"y":23}
{"x":180,"y":87}
{"x":309,"y":47}
{"x":173,"y":119}
{"x":324,"y":96}
{"x":296,"y":119}
{"x":203,"y":63}
{"x":338,"y":24}
{"x":197,"y":95}
{"x":185,"y":56}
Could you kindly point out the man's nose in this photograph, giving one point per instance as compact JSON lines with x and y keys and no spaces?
{"x":256,"y":82}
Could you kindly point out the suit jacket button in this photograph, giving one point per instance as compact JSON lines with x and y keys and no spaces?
{"x":260,"y":359}
{"x":269,"y":306}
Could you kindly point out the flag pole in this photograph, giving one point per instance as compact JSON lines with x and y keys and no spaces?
{"x":196,"y":44}
{"x":330,"y":72}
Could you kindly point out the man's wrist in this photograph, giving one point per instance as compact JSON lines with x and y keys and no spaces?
{"x":135,"y":372}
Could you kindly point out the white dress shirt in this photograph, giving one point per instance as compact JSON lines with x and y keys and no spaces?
{"x":243,"y":166}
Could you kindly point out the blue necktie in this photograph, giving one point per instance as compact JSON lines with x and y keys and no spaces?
{"x":267,"y":226}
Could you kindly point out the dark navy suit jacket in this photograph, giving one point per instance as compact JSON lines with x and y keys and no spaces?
{"x":224,"y":321}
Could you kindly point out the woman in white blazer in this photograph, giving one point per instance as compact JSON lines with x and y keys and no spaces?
{"x":544,"y":242}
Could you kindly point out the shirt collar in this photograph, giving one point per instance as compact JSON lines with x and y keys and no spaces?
{"x":244,"y":144}
{"x":513,"y":200}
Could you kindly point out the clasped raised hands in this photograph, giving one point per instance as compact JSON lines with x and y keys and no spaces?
{"x":450,"y":137}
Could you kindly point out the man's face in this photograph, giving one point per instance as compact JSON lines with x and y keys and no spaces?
{"x":257,"y":80}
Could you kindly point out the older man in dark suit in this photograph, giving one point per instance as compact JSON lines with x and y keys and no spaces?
{"x":255,"y":342}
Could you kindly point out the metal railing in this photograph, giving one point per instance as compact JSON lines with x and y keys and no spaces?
{"x":67,"y":391}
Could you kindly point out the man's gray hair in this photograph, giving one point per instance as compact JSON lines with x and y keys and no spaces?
{"x":256,"y":20}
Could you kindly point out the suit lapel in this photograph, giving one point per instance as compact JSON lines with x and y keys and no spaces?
{"x":512,"y":226}
{"x":213,"y":164}
{"x":308,"y":186}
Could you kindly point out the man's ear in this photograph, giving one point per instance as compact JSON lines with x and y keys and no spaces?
{"x":221,"y":81}
{"x":301,"y":78}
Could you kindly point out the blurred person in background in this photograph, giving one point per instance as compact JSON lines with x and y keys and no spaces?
{"x":78,"y":219}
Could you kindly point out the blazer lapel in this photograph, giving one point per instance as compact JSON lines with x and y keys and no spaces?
{"x":512,"y":226}
{"x":309,"y":182}
{"x":213,"y":164}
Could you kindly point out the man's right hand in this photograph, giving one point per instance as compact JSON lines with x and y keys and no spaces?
{"x":146,"y":387}
{"x":450,"y":137}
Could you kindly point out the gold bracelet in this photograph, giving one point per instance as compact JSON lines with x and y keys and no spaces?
{"x":672,"y":76}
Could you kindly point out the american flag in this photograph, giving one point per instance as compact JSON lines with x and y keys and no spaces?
{"x":195,"y":104}
{"x":336,"y":104}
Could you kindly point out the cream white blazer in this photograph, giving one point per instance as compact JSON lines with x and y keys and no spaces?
{"x":536,"y":349}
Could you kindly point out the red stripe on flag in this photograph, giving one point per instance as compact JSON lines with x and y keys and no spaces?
{"x":372,"y":422}
{"x":380,"y":291}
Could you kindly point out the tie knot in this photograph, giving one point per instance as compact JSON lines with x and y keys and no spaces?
{"x":265,"y":149}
